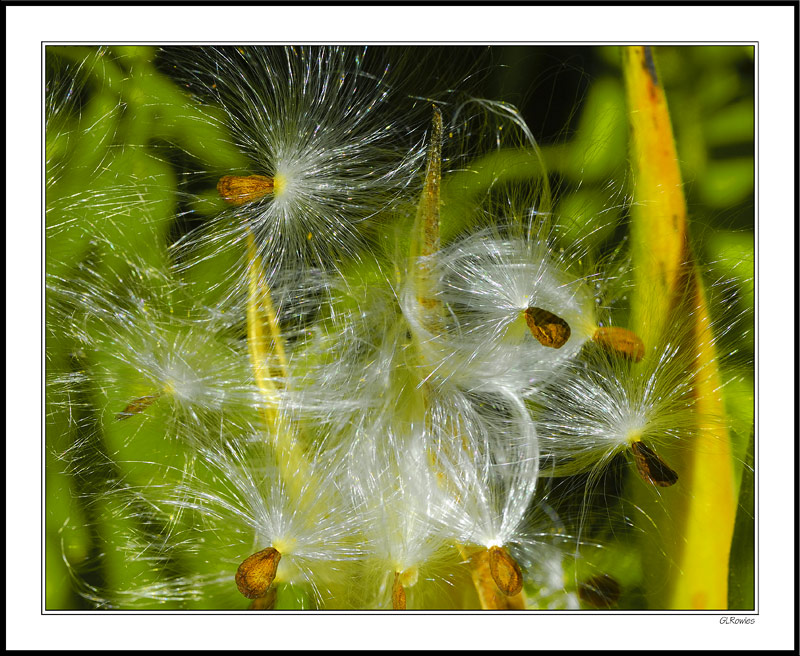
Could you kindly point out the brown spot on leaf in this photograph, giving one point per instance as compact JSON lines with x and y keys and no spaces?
{"x":651,"y":467}
{"x":240,"y":190}
{"x":505,"y":571}
{"x":650,"y":64}
{"x":257,"y":573}
{"x":548,"y":329}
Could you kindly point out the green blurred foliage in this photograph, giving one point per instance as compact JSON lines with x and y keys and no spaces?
{"x":121,"y":130}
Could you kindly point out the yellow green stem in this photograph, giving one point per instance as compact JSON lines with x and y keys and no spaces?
{"x":425,"y":241}
{"x":695,"y":525}
{"x":425,"y":244}
{"x":268,"y":358}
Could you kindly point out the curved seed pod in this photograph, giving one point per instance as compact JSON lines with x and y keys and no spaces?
{"x":257,"y":573}
{"x":505,"y":571}
{"x":548,"y":329}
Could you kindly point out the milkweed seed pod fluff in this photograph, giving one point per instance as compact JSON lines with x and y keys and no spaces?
{"x":322,"y":334}
{"x":327,"y":148}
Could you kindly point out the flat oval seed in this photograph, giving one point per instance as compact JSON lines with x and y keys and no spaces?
{"x":548,"y":329}
{"x":257,"y":573}
{"x":398,"y":593}
{"x":137,"y":405}
{"x":239,"y":190}
{"x":621,"y":341}
{"x":652,"y":468}
{"x":600,"y":591}
{"x":505,"y":571}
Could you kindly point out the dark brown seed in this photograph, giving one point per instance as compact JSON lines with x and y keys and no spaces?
{"x":242,"y":189}
{"x":257,"y":572}
{"x":621,"y":341}
{"x":398,"y":593}
{"x":505,"y":571}
{"x":600,"y":591}
{"x":137,"y":405}
{"x":651,"y":467}
{"x":547,"y":328}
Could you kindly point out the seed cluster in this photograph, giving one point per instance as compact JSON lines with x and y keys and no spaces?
{"x":348,"y":421}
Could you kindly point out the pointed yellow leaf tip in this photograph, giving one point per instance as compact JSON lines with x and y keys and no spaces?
{"x":425,"y":240}
{"x":659,"y":239}
{"x":548,"y":329}
{"x":257,"y":572}
{"x":651,"y":467}
{"x":240,"y":190}
{"x":697,"y":527}
{"x":398,"y":593}
{"x":505,"y":571}
{"x":621,"y":341}
{"x":429,"y":203}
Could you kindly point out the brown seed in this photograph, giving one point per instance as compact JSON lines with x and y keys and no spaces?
{"x":137,"y":405}
{"x":257,"y":572}
{"x":600,"y":591}
{"x":621,"y":341}
{"x":547,"y":328}
{"x":652,"y":468}
{"x":239,"y":190}
{"x":267,"y":602}
{"x":398,"y":593}
{"x":505,"y":571}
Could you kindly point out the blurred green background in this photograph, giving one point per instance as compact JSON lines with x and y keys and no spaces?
{"x":119,"y":127}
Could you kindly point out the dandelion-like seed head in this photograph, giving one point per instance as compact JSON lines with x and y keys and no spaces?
{"x":249,"y":506}
{"x":324,"y":135}
{"x":146,"y":344}
{"x":601,"y":404}
{"x":335,"y":362}
{"x":498,"y":297}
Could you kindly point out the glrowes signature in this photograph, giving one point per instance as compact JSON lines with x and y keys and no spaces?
{"x":727,"y":619}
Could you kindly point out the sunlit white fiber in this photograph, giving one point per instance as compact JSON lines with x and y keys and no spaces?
{"x":358,"y":365}
{"x":546,"y":578}
{"x":142,"y":337}
{"x":63,"y":89}
{"x":397,"y":494}
{"x":106,"y":192}
{"x":488,"y":457}
{"x":239,"y":504}
{"x":325,"y":129}
{"x":598,"y":405}
{"x":398,"y":422}
{"x":485,"y":285}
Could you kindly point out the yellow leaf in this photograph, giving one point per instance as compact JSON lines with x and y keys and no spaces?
{"x":268,"y":358}
{"x":695,"y":526}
